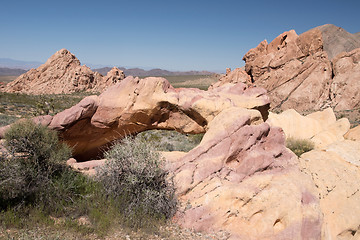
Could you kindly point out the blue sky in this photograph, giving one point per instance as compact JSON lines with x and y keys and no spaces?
{"x":173,"y":35}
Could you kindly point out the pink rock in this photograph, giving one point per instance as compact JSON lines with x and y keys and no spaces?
{"x":134,"y":105}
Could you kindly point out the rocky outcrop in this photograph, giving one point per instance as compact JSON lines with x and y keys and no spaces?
{"x":134,"y":105}
{"x":294,"y":69}
{"x":321,"y":127}
{"x":335,"y":172}
{"x":241,"y":179}
{"x":302,"y":72}
{"x":345,"y":87}
{"x":62,"y":73}
{"x":353,"y":134}
{"x":113,"y":76}
{"x":235,"y":76}
{"x":333,"y":167}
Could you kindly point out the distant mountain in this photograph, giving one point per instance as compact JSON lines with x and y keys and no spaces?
{"x":11,"y":71}
{"x":337,"y":40}
{"x":11,"y":63}
{"x":153,"y":72}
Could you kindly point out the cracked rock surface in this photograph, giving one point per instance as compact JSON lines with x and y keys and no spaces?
{"x":243,"y":180}
{"x":313,"y":70}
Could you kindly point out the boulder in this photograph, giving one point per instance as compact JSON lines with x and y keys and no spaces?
{"x":298,"y":126}
{"x":236,"y":76}
{"x":353,"y":134}
{"x":320,"y":127}
{"x":241,"y":179}
{"x":335,"y":172}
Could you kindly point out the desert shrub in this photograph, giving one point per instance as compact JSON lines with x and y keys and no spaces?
{"x":299,"y":146}
{"x":35,"y":164}
{"x":7,"y":119}
{"x":165,"y":140}
{"x":134,"y":178}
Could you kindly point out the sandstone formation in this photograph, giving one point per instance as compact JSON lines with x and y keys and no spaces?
{"x":353,"y":134}
{"x":321,"y":127}
{"x":235,"y":76}
{"x":335,"y":171}
{"x":308,"y":71}
{"x":294,"y":69}
{"x":241,"y":179}
{"x":62,"y":73}
{"x":334,"y":167}
{"x":345,"y":87}
{"x":134,"y":105}
{"x":113,"y":76}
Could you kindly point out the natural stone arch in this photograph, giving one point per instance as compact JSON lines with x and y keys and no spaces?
{"x":135,"y":105}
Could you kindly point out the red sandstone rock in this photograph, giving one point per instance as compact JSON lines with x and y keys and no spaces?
{"x":294,"y":69}
{"x":298,"y":73}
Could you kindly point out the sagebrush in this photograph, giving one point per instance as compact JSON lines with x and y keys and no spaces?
{"x":135,"y":178}
{"x":37,"y":160}
{"x":299,"y":146}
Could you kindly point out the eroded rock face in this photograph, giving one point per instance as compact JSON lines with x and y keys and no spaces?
{"x":345,"y":87}
{"x":241,"y":179}
{"x":294,"y":69}
{"x":62,"y":73}
{"x":235,"y":76}
{"x":134,"y":105}
{"x":335,"y":171}
{"x":321,"y":127}
{"x":113,"y":76}
{"x":308,"y":71}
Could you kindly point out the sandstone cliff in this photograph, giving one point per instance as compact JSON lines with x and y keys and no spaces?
{"x":314,"y":70}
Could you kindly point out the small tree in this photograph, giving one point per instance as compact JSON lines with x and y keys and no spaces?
{"x":134,"y":178}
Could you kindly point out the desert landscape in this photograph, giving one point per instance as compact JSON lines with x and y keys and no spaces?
{"x":270,"y":150}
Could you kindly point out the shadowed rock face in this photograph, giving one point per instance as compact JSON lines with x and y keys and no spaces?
{"x":62,"y":73}
{"x":303,"y":71}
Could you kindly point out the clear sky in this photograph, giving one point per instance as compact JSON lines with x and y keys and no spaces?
{"x":173,"y":35}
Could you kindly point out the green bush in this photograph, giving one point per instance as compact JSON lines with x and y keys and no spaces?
{"x":134,"y":177}
{"x":35,"y":165}
{"x":299,"y":146}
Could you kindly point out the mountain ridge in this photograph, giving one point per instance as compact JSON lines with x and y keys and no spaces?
{"x":139,"y":72}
